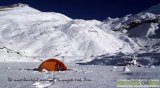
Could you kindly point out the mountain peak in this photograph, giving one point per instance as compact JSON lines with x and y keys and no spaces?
{"x":19,"y":7}
{"x":14,"y":5}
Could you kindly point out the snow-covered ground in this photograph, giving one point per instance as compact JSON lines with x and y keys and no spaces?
{"x":21,"y":75}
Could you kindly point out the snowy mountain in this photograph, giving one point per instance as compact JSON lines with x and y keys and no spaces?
{"x":38,"y":35}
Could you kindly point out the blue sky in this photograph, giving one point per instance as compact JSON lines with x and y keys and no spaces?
{"x":88,"y":9}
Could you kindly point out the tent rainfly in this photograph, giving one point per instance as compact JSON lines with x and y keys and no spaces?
{"x":52,"y":65}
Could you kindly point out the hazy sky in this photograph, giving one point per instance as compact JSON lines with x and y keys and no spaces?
{"x":88,"y":9}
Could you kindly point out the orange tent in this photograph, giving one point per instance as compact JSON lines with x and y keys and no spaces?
{"x":52,"y":65}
